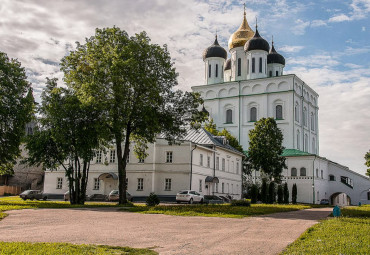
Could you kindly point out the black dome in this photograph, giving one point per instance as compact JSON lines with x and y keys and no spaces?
{"x":257,"y":43}
{"x":228,"y":65}
{"x":275,"y":58}
{"x":215,"y":51}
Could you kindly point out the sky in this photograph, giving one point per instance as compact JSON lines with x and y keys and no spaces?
{"x":326,"y":43}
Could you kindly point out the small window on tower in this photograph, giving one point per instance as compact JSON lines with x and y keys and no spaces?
{"x":260,"y":67}
{"x":216,"y":70}
{"x":239,"y":66}
{"x":209,"y":71}
{"x":253,"y":65}
{"x":248,"y":66}
{"x":277,"y":73}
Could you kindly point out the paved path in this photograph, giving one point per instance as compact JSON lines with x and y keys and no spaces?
{"x":169,"y":234}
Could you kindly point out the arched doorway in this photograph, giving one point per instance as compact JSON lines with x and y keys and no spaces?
{"x":110,"y":182}
{"x":340,"y":199}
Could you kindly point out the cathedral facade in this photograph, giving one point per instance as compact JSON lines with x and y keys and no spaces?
{"x":250,"y":84}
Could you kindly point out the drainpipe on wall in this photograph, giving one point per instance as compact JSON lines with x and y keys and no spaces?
{"x":293,"y":120}
{"x":191,"y":163}
{"x":313,"y":181}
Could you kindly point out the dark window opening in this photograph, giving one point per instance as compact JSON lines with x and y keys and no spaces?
{"x":239,"y":66}
{"x":293,"y":172}
{"x":229,"y":116}
{"x":303,"y":171}
{"x":270,"y":73}
{"x":277,"y":73}
{"x":253,"y":65}
{"x":216,"y":70}
{"x":253,"y":114}
{"x":260,"y":65}
{"x":347,"y":181}
{"x":248,"y":66}
{"x":331,"y":177}
{"x":209,"y":71}
{"x":279,"y":112}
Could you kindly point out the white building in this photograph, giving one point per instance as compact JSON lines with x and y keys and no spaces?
{"x":200,"y":162}
{"x":250,"y":85}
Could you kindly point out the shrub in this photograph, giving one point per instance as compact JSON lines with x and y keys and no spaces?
{"x":294,"y":194}
{"x":272,"y":193}
{"x":241,"y":202}
{"x":152,"y":200}
{"x":264,"y":191}
{"x":286,"y":194}
{"x":254,"y":193}
{"x":280,"y":194}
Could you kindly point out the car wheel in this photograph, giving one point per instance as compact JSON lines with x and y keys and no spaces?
{"x":31,"y":198}
{"x":201,"y":201}
{"x":178,"y":202}
{"x":44,"y":198}
{"x":190,"y":201}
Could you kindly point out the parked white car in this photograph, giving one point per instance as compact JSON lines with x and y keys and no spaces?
{"x":189,"y":196}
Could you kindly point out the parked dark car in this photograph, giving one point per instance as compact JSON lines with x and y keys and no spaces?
{"x":98,"y":197}
{"x":114,"y":196}
{"x":225,"y":199}
{"x":324,"y":202}
{"x":33,"y":194}
{"x":213,"y":200}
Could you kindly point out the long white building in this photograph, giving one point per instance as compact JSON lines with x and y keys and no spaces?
{"x":251,"y":84}
{"x":201,"y":162}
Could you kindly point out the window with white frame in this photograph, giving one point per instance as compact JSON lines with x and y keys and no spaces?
{"x":208,"y":161}
{"x":112,"y":156}
{"x":169,"y":155}
{"x":303,"y":171}
{"x":223,"y":164}
{"x":98,"y":156}
{"x":296,"y":112}
{"x":232,"y":167}
{"x":279,"y":112}
{"x":229,"y":116}
{"x":201,"y":159}
{"x":217,"y":163}
{"x":140,"y":183}
{"x":200,"y":185}
{"x":59,"y":182}
{"x":322,"y":174}
{"x":317,"y":173}
{"x":253,"y":114}
{"x":223,"y":188}
{"x":216,"y":187}
{"x":168,"y":184}
{"x":96,"y":184}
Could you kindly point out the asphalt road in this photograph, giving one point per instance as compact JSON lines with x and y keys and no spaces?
{"x":168,"y":234}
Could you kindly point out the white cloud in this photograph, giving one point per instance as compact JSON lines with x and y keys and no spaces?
{"x":363,"y":29}
{"x":359,"y":10}
{"x":318,"y":23}
{"x":291,"y":48}
{"x":339,"y":18}
{"x":300,"y":27}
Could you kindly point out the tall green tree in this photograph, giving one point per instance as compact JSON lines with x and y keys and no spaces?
{"x":294,"y":193}
{"x":265,"y":148}
{"x":280,"y":194}
{"x":286,"y":193}
{"x":16,"y":109}
{"x":367,"y":163}
{"x":254,"y":193}
{"x":272,"y":193}
{"x":264,"y":195}
{"x":132,"y":82}
{"x":68,"y":135}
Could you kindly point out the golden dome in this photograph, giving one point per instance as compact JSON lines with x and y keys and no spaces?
{"x":242,"y":35}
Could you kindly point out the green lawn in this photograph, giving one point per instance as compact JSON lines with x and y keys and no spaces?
{"x":65,"y":249}
{"x":225,"y":210}
{"x":349,"y":234}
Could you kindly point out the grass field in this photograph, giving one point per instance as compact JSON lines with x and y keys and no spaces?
{"x":349,"y":234}
{"x":67,"y":249}
{"x":225,"y":210}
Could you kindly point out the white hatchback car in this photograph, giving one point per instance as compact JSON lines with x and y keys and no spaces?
{"x":189,"y":196}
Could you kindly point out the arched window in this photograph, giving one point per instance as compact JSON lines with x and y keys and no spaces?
{"x":306,"y":143}
{"x":222,"y":71}
{"x":313,"y":146}
{"x":296,"y":110}
{"x":317,"y":172}
{"x":322,"y":174}
{"x":253,"y":116}
{"x":239,"y":66}
{"x":260,"y":67}
{"x":303,"y":171}
{"x":298,"y":140}
{"x":216,"y":70}
{"x":305,"y":117}
{"x":229,"y":116}
{"x":253,"y":65}
{"x":209,"y":71}
{"x":312,"y":121}
{"x":293,"y":171}
{"x":279,"y":112}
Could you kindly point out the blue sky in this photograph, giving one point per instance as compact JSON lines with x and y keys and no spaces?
{"x":326,"y":43}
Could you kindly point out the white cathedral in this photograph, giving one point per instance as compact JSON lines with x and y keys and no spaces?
{"x":250,"y":85}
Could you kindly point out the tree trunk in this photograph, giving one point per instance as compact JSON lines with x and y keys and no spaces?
{"x":122,"y":162}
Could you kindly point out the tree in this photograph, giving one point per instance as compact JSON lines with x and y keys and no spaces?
{"x":367,"y":163}
{"x":280,"y":194}
{"x":286,"y":193}
{"x":131,"y":82}
{"x":272,"y":193}
{"x":254,"y":193}
{"x":294,"y":194}
{"x":265,"y":148}
{"x":264,"y":191}
{"x":67,"y":137}
{"x":16,"y":108}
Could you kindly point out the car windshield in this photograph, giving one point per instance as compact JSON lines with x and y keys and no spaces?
{"x":183,"y":192}
{"x":25,"y":192}
{"x":114,"y":192}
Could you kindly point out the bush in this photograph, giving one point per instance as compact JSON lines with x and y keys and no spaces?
{"x":286,"y":194}
{"x":264,"y":191}
{"x":280,"y":194}
{"x":152,"y":200}
{"x":254,"y":193}
{"x":272,"y":193}
{"x":294,"y":194}
{"x":241,"y":202}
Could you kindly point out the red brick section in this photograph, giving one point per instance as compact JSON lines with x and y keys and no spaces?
{"x":169,"y":234}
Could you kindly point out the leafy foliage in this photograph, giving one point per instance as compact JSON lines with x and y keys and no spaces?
{"x":241,"y":202}
{"x":265,"y":148}
{"x":272,"y":193}
{"x":131,"y":81}
{"x":367,"y":163}
{"x":294,"y":194}
{"x":16,"y":109}
{"x":254,"y":193}
{"x":264,"y":191}
{"x":280,"y":194}
{"x":286,"y":193}
{"x":68,"y":137}
{"x":152,"y":199}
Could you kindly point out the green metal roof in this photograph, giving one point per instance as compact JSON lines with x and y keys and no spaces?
{"x":291,"y":153}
